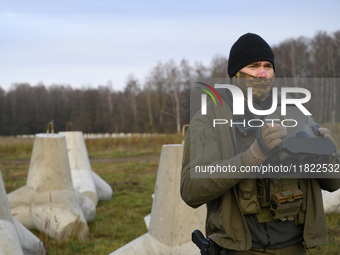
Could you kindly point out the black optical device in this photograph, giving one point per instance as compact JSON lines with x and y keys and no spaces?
{"x":303,"y":144}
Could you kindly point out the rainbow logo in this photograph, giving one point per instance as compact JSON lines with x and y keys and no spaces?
{"x":212,"y":89}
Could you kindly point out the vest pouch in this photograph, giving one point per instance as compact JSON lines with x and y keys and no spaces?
{"x":248,"y":196}
{"x":286,"y":204}
{"x":267,"y":189}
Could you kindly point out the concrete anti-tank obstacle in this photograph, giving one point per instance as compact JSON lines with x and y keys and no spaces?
{"x":172,"y":221}
{"x":147,"y":218}
{"x":14,"y":237}
{"x":86,"y":205}
{"x":48,"y":201}
{"x":331,"y":201}
{"x":104,"y":190}
{"x":84,"y":179}
{"x":30,"y":244}
{"x":80,"y":166}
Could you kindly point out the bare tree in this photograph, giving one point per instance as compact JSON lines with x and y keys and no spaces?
{"x":174,"y":89}
{"x":158,"y":83}
{"x":131,"y":91}
{"x":219,"y":67}
{"x":148,"y":98}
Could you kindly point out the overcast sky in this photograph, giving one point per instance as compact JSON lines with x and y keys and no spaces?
{"x":87,"y":43}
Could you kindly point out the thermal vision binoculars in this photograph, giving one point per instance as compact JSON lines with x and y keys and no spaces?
{"x":303,"y":143}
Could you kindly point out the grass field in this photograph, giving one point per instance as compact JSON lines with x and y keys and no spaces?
{"x":130,"y":166}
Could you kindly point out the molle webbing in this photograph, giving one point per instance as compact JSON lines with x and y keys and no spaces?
{"x":291,"y":202}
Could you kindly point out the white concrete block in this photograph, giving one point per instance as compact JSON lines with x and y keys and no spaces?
{"x":331,"y":201}
{"x":84,"y":179}
{"x":48,"y":201}
{"x":104,"y":190}
{"x":87,"y":206}
{"x":9,"y":240}
{"x":172,"y":221}
{"x":14,"y":237}
{"x":30,"y":244}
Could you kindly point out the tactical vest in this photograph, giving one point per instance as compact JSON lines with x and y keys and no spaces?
{"x":271,"y":199}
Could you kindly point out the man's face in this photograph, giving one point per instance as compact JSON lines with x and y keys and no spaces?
{"x":260,"y":69}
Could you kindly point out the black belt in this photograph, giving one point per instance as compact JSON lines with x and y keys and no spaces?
{"x":222,"y":251}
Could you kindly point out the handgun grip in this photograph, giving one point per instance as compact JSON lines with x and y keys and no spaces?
{"x":200,"y":241}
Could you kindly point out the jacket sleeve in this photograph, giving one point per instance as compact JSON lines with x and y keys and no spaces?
{"x":201,"y":151}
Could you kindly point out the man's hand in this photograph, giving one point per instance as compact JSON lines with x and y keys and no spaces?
{"x":326,"y":133}
{"x":271,"y":136}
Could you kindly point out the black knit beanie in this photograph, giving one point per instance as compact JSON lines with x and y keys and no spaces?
{"x":247,"y":49}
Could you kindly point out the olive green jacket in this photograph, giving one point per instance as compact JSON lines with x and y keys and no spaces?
{"x":225,"y":223}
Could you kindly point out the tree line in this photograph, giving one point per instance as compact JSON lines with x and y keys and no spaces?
{"x":162,"y":102}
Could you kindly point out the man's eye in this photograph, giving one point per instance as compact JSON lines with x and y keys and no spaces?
{"x":252,"y":66}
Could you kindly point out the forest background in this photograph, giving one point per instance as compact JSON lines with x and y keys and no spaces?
{"x":161,"y":104}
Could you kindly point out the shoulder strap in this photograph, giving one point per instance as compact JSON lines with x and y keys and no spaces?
{"x":302,"y":213}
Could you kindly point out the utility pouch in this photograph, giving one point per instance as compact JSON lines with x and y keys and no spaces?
{"x":286,"y":204}
{"x":267,"y":189}
{"x":248,"y":196}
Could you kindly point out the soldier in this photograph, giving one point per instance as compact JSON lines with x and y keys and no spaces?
{"x":238,"y":209}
